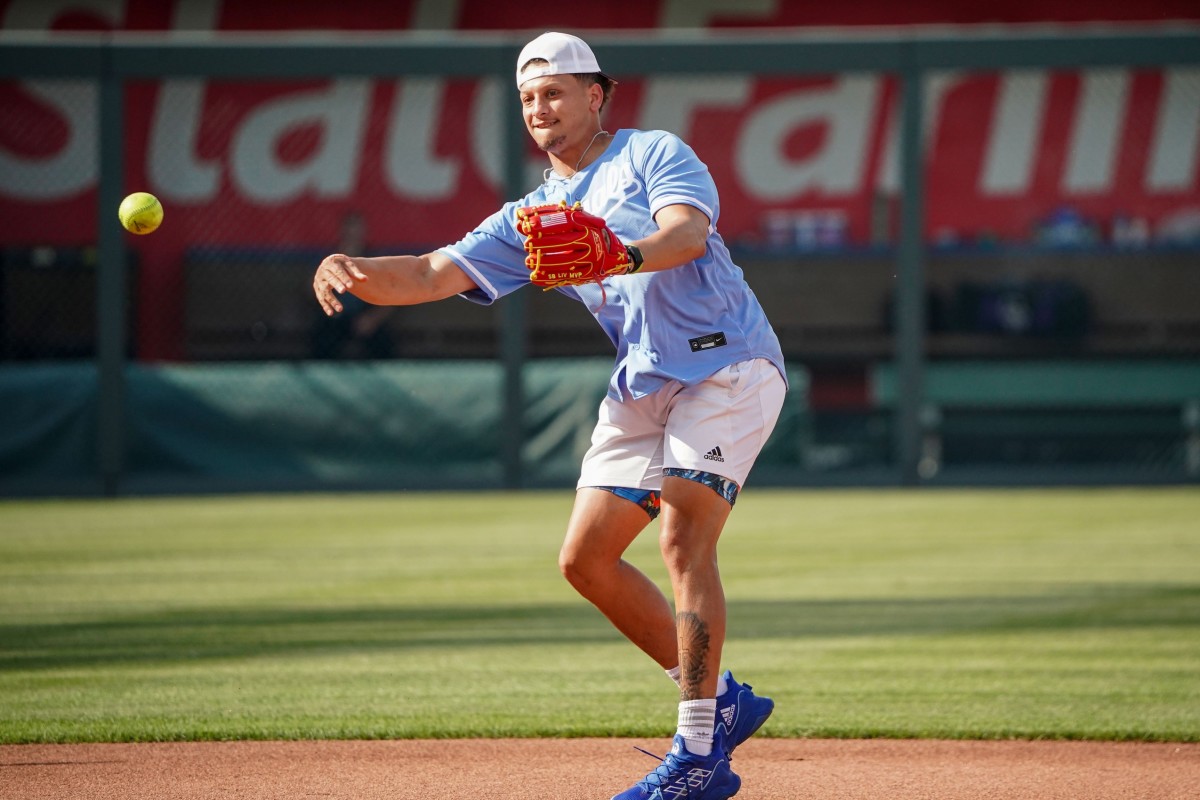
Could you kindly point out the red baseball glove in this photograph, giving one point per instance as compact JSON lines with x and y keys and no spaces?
{"x":567,"y":246}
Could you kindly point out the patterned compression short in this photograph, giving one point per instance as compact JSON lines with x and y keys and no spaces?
{"x":650,"y":500}
{"x":722,"y":486}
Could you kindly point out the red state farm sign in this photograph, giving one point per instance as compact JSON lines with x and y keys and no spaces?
{"x":254,"y":164}
{"x":240,"y":164}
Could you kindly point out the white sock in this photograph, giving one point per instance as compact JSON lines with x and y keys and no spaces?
{"x":676,"y":674}
{"x":697,"y":718}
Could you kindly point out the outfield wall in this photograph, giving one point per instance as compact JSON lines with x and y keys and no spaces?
{"x":264,"y":426}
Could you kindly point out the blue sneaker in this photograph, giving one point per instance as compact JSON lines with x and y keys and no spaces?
{"x":740,"y":712}
{"x":684,"y":776}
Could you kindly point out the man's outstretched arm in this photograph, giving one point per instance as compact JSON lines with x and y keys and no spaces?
{"x":388,"y":280}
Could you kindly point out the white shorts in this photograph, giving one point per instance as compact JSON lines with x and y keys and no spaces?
{"x":718,"y":426}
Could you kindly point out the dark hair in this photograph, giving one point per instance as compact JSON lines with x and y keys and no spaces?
{"x":607,"y":84}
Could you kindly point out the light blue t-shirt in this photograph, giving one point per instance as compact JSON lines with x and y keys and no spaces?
{"x":679,"y":324}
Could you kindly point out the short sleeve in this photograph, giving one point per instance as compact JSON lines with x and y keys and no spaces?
{"x":676,"y":175}
{"x":493,"y":255}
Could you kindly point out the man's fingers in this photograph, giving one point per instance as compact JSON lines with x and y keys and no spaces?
{"x":335,"y":275}
{"x":341,"y":272}
{"x":326,"y":298}
{"x":345,"y":269}
{"x":330,"y":303}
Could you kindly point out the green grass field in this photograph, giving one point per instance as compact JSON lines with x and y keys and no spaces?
{"x":1040,"y":614}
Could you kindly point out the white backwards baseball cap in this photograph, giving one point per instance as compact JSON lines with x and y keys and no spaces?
{"x":565,"y":55}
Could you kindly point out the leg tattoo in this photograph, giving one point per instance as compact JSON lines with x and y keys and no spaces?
{"x":693,"y":652}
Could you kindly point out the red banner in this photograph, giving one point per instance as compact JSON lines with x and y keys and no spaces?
{"x":803,"y":162}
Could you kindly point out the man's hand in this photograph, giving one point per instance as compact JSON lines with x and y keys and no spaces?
{"x":567,"y":246}
{"x":335,"y":275}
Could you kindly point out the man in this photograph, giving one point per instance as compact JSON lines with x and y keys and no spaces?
{"x":696,"y":390}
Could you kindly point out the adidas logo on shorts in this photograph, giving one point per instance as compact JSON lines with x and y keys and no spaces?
{"x":714,"y":455}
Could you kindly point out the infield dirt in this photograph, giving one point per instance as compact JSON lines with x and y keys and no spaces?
{"x":595,"y":769}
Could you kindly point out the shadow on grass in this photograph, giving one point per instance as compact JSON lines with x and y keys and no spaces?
{"x":223,"y":633}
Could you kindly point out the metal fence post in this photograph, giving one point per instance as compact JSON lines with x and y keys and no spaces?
{"x":513,"y":308}
{"x":111,"y":285}
{"x":910,"y":289}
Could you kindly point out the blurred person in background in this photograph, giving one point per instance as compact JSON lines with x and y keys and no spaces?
{"x":360,"y":330}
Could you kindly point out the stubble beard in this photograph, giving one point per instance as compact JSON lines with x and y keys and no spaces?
{"x":552,"y":145}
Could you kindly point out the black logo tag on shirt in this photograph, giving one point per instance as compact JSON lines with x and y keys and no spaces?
{"x":707,"y":342}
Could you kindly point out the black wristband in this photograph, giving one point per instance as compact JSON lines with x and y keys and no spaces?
{"x":635,"y":259}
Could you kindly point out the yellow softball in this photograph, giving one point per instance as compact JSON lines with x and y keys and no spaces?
{"x":141,"y":213}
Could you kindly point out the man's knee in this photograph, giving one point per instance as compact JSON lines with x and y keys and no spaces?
{"x":572,"y":563}
{"x":585,"y":566}
{"x":686,"y":548}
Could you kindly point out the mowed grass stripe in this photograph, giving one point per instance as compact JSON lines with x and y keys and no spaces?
{"x":960,"y":614}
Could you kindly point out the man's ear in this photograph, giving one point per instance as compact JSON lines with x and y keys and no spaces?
{"x":596,"y":97}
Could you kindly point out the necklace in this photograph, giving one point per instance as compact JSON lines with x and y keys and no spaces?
{"x":589,"y":147}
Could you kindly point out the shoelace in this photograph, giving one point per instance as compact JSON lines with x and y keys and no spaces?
{"x":655,"y":756}
{"x":662,"y":774}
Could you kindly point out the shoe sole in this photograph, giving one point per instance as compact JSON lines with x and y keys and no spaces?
{"x":733,"y":786}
